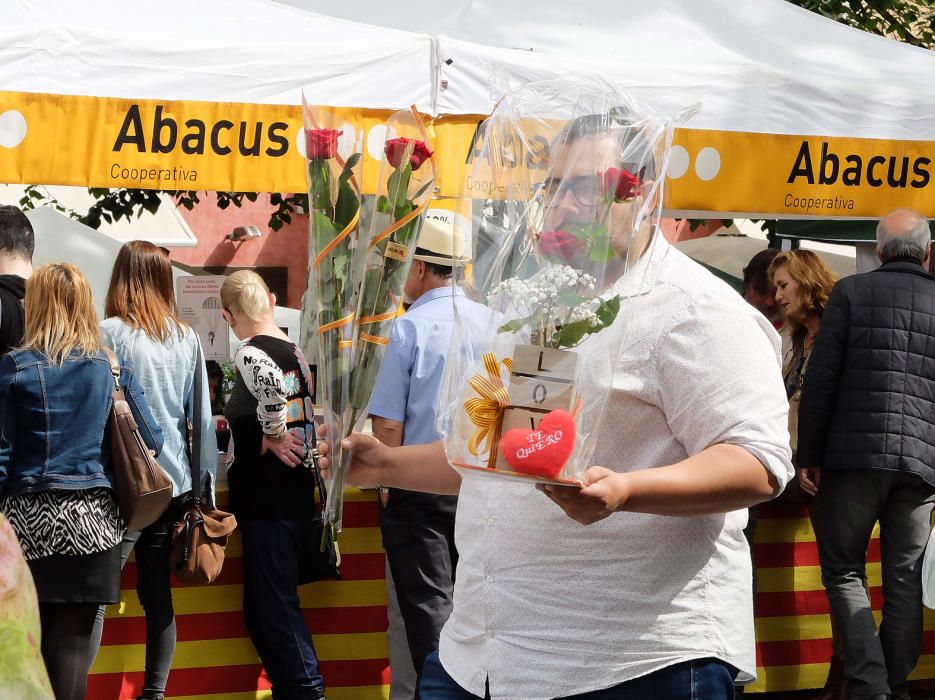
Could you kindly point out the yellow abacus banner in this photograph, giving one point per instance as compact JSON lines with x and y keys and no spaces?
{"x":236,"y":147}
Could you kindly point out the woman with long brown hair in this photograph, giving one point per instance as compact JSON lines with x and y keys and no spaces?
{"x":803,"y":284}
{"x":56,"y":483}
{"x":143,"y":326}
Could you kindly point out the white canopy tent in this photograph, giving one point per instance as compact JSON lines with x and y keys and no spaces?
{"x":757,"y":66}
{"x":212,"y":50}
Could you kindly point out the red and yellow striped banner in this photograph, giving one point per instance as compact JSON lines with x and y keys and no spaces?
{"x":215,"y":659}
{"x":793,"y":630}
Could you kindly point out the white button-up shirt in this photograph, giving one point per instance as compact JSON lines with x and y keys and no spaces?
{"x":545,"y":607}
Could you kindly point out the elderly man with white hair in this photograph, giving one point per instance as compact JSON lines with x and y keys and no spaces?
{"x":867,"y":445}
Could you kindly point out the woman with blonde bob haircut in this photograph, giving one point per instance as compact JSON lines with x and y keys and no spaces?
{"x":56,"y":482}
{"x":272,"y":487}
{"x":143,"y":327}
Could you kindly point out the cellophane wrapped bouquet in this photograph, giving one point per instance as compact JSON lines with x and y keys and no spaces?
{"x":357,"y":273}
{"x":580,"y":166}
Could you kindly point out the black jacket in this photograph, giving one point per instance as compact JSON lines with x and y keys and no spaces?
{"x":868,"y":401}
{"x":12,"y":291}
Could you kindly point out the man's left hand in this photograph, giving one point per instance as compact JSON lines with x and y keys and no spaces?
{"x":601,"y":493}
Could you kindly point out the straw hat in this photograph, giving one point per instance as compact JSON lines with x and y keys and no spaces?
{"x":446,"y":237}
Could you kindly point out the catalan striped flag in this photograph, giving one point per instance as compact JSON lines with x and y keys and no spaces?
{"x":793,"y":630}
{"x":215,"y":659}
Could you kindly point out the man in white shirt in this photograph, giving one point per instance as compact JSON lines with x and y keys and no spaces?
{"x":653,"y":598}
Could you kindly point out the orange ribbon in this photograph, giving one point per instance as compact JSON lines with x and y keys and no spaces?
{"x":337,"y":239}
{"x":383,"y":235}
{"x":376,"y":340}
{"x":343,"y":344}
{"x":486,"y":409}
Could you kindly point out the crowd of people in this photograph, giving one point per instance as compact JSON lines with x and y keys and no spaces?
{"x":635,"y":584}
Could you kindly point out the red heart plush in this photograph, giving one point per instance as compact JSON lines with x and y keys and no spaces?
{"x":544,"y":451}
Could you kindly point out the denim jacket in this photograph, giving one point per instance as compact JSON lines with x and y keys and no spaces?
{"x":173,"y":375}
{"x":53,"y":420}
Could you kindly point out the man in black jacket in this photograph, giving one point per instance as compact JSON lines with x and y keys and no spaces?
{"x":17,"y":243}
{"x":867,"y":445}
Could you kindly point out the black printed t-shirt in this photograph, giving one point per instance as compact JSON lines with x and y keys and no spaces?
{"x":271,"y":393}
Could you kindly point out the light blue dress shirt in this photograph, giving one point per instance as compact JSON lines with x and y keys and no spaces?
{"x":410,"y":379}
{"x":175,"y":382}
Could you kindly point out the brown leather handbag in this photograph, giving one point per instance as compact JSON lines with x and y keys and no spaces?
{"x":143,"y":487}
{"x":198,"y":543}
{"x":199,"y":538}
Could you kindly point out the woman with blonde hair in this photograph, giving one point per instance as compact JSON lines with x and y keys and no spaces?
{"x":803,"y":284}
{"x":56,"y":482}
{"x":143,"y":327}
{"x":272,"y":487}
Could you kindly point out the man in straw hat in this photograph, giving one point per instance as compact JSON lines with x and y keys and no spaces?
{"x":418,"y":528}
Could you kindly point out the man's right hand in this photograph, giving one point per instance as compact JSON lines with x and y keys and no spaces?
{"x":368,"y":468}
{"x":809,"y":480}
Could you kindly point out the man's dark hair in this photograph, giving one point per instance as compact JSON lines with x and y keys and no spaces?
{"x":756,"y":273}
{"x":619,"y":122}
{"x":444,"y":271}
{"x":16,"y":234}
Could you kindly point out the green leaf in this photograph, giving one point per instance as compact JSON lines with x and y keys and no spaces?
{"x":572,"y":300}
{"x":349,"y":165}
{"x":383,"y":205}
{"x":587,"y":230}
{"x":397,"y":186}
{"x":515,"y":325}
{"x":601,"y":250}
{"x":571,"y":334}
{"x":347,"y":204}
{"x":608,"y":310}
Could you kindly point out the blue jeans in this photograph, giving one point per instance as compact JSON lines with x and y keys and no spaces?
{"x":271,"y":551}
{"x":704,"y":679}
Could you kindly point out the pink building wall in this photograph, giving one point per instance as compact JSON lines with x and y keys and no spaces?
{"x":287,"y":247}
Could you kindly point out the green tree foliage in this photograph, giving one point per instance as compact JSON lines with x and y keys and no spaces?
{"x":126,"y":203}
{"x":910,"y":21}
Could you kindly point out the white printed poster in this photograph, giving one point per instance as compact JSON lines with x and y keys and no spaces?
{"x":199,"y":301}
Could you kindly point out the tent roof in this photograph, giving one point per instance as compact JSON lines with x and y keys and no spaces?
{"x":252,"y":51}
{"x":760,"y":65}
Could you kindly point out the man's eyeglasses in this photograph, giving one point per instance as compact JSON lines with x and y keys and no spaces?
{"x":585,"y":188}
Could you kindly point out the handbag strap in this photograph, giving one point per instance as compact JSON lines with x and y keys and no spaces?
{"x":316,"y":468}
{"x":194,"y":461}
{"x":115,"y":373}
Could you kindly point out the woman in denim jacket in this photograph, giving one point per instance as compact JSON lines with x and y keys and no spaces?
{"x":144,"y":328}
{"x":56,"y":483}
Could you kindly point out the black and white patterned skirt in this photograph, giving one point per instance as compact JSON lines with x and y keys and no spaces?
{"x":71,"y":540}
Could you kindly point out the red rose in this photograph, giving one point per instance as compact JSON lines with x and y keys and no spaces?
{"x":396,"y":151}
{"x":321,"y":144}
{"x":561,"y":244}
{"x":621,"y":182}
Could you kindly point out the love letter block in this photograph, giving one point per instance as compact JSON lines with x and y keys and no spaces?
{"x":543,"y":378}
